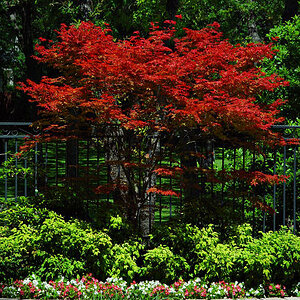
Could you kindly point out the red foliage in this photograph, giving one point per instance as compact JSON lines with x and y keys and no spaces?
{"x":162,"y":83}
{"x":201,"y":81}
{"x":163,"y":192}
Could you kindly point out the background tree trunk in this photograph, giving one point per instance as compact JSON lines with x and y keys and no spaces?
{"x":252,"y":27}
{"x":26,"y":11}
{"x":171,"y":8}
{"x":290,"y":9}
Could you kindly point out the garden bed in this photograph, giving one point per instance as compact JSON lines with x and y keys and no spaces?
{"x":89,"y":287}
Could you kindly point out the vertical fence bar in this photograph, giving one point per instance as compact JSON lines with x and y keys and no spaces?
{"x":108,"y":166}
{"x":234,"y":180}
{"x":5,"y":159}
{"x":16,"y":165}
{"x":25,"y":178}
{"x":170,"y":200}
{"x":295,"y":190}
{"x":264,"y":192}
{"x":243,"y":185}
{"x":284,"y":186}
{"x":253,"y":216}
{"x":35,"y":170}
{"x":140,"y":171}
{"x":150,"y":203}
{"x":98,"y":168}
{"x":264,"y":216}
{"x":180,"y":191}
{"x":274,"y":193}
{"x":56,"y":163}
{"x":160,"y":196}
{"x":46,"y":163}
{"x":211,"y":156}
{"x":87,"y":171}
{"x":223,"y":167}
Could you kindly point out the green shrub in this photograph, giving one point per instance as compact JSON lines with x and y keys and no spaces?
{"x":240,"y":235}
{"x":50,"y":246}
{"x":71,"y":240}
{"x":117,"y":227}
{"x":36,"y":240}
{"x":219,"y":263}
{"x":13,"y":213}
{"x":189,"y":242}
{"x":275,"y":257}
{"x":54,"y":265}
{"x":123,"y":260}
{"x":162,"y":264}
{"x":16,"y":247}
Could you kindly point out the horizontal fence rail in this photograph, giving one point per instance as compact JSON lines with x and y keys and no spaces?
{"x":60,"y":169}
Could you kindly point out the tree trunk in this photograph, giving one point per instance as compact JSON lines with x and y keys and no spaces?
{"x":129,"y":192}
{"x":191,"y":181}
{"x":290,"y":9}
{"x":26,"y":10}
{"x":147,"y":210}
{"x":21,"y":15}
{"x":197,"y":153}
{"x":115,"y":142}
{"x":72,"y":159}
{"x":252,"y":29}
{"x":171,"y":8}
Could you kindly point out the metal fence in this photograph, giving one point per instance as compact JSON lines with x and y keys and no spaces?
{"x":46,"y":168}
{"x":11,"y":136}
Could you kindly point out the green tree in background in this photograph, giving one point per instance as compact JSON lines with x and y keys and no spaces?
{"x":239,"y":20}
{"x":286,"y":64}
{"x":22,"y":22}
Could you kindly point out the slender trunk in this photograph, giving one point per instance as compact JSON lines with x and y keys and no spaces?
{"x":197,"y":153}
{"x":72,"y":158}
{"x":33,"y":71}
{"x":21,"y":15}
{"x":172,"y":8}
{"x":115,"y":144}
{"x":130,"y":187}
{"x":147,"y":210}
{"x":252,"y":29}
{"x":290,"y":9}
{"x":191,"y":187}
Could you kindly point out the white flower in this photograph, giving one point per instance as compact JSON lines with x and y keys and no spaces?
{"x":26,"y":281}
{"x":35,"y":282}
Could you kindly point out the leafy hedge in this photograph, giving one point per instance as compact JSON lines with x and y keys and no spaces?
{"x":39,"y":241}
{"x":274,"y":257}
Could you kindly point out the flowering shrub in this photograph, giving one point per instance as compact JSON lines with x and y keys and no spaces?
{"x":276,"y":290}
{"x":296,"y":290}
{"x":89,"y":287}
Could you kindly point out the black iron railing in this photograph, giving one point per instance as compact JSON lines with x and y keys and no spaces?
{"x":48,"y":165}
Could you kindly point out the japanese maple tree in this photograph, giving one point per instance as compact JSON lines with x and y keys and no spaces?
{"x":154,"y":93}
